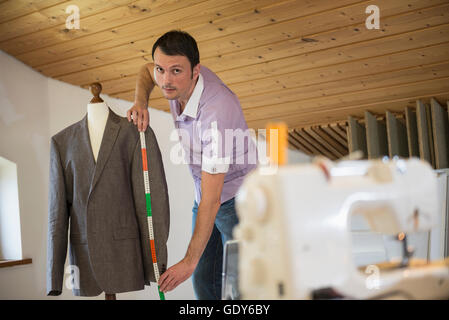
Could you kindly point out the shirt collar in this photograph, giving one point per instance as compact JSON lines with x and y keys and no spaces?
{"x":192,"y":105}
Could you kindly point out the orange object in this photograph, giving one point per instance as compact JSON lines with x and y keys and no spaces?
{"x":144,"y":160}
{"x":277,"y":142}
{"x":153,"y":251}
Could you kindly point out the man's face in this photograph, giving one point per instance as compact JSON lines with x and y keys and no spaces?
{"x":173,"y":74}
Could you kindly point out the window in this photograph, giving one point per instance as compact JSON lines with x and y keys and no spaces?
{"x":10,"y":235}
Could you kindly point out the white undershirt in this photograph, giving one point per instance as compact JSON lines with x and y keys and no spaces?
{"x":97,"y":116}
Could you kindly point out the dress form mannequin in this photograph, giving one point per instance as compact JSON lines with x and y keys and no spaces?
{"x":97,"y":115}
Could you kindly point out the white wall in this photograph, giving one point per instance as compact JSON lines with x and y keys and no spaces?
{"x":32,"y":109}
{"x":24,"y":134}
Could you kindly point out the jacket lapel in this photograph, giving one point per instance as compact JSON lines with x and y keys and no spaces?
{"x":85,"y":142}
{"x":107,"y":143}
{"x":84,"y":150}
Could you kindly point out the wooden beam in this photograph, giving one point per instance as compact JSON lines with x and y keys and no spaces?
{"x":376,"y":137}
{"x":298,"y":146}
{"x":329,"y":139}
{"x":412,"y":132}
{"x":357,"y":137}
{"x":396,"y":136}
{"x":322,"y":150}
{"x":424,"y":133}
{"x":337,"y":154}
{"x":328,"y":129}
{"x":304,"y":142}
{"x":440,"y":129}
{"x":340,"y":129}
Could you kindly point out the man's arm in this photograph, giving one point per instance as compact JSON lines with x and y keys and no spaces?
{"x":144,"y":85}
{"x":211,"y":187}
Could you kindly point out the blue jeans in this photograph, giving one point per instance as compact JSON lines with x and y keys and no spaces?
{"x":208,"y":273}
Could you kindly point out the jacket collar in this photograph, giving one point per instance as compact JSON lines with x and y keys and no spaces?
{"x":110,"y":134}
{"x":192,"y":105}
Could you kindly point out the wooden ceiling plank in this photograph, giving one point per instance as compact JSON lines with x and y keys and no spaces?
{"x":302,"y":102}
{"x":389,"y":45}
{"x":440,"y":130}
{"x":134,"y":40}
{"x":126,"y":49}
{"x":329,"y":116}
{"x":237,"y":57}
{"x":383,"y":80}
{"x":380,"y":107}
{"x":170,"y":20}
{"x":55,"y":15}
{"x":10,"y":10}
{"x":95,"y":36}
{"x":365,"y":81}
{"x":411,"y":56}
{"x":324,"y":118}
{"x":307,"y":27}
{"x":139,"y":49}
{"x":345,"y":101}
{"x":121,"y":22}
{"x":274,"y":16}
{"x":349,"y":70}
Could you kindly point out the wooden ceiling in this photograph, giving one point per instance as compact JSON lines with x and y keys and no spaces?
{"x":303,"y":62}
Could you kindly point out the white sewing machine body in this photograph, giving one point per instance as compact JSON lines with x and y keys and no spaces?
{"x":295,"y":237}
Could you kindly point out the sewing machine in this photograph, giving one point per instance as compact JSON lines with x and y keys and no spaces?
{"x":295,"y":239}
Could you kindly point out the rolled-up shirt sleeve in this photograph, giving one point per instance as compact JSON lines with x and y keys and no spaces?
{"x":217,"y":142}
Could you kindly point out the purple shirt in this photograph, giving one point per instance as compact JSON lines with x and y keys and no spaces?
{"x":214,"y":134}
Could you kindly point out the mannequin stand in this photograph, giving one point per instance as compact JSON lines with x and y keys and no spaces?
{"x":110,"y":296}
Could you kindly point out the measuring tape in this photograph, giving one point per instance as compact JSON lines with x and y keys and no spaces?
{"x":149,"y":216}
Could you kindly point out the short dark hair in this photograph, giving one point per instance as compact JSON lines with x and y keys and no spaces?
{"x":176,"y":42}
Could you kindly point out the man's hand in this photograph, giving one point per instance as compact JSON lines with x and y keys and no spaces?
{"x":211,"y":186}
{"x":140,"y":117}
{"x":144,"y":86}
{"x":175,"y":275}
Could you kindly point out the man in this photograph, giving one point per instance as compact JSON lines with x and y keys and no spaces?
{"x":199,"y":102}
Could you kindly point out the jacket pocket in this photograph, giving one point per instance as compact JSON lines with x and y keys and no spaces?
{"x":125,"y":233}
{"x":77,"y":238}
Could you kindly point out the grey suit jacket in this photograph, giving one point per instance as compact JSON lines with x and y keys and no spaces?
{"x":105,"y":205}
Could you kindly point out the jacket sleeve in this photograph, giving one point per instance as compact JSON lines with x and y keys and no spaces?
{"x":160,"y":207}
{"x":58,"y":221}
